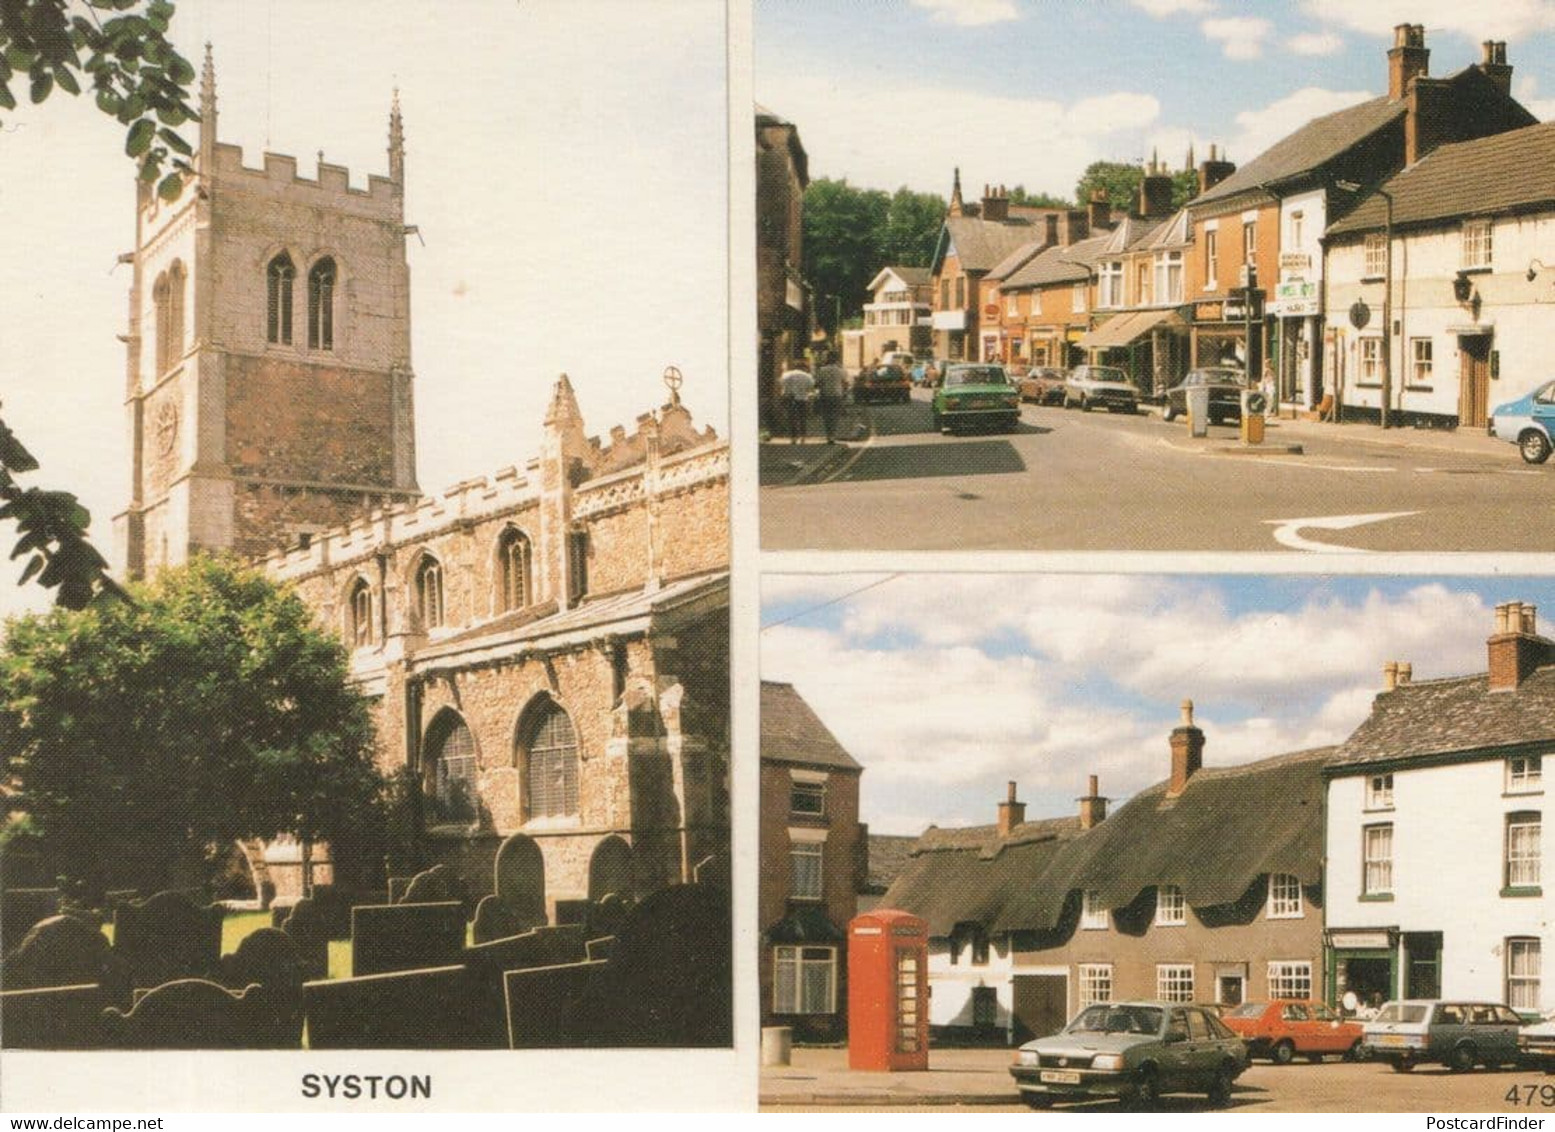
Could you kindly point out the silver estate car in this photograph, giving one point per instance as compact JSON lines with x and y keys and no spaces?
{"x":1457,"y":1034}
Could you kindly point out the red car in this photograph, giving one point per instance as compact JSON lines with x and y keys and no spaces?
{"x":1281,"y":1029}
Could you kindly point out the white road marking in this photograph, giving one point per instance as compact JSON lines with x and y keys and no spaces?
{"x":1286,"y":530}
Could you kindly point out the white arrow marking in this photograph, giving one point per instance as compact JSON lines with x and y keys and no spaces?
{"x":1285,"y":530}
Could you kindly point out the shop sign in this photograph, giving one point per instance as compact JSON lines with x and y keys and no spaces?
{"x":1295,"y":299}
{"x":1209,"y":312}
{"x":1293,"y":263}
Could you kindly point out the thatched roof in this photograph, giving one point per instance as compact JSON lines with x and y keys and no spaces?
{"x":1228,"y":828}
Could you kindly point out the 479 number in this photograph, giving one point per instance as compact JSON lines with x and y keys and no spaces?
{"x":1530,"y":1095}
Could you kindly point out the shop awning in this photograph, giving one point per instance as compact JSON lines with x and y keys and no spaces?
{"x":1122,"y":329}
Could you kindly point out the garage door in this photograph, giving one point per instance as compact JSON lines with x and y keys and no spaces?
{"x":1041,"y":1005}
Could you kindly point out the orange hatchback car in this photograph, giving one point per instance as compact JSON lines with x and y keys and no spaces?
{"x":1281,"y":1029}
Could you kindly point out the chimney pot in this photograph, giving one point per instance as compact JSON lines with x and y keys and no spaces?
{"x":1187,"y":743}
{"x":1406,"y":672}
{"x":1516,"y":650}
{"x":1009,"y":793}
{"x":1094,"y":785}
{"x":1011,"y":812}
{"x":1390,"y":676}
{"x":1187,"y":713}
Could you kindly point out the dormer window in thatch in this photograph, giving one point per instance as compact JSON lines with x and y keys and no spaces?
{"x":1093,"y":915}
{"x":1171,"y":910}
{"x":1285,"y":897}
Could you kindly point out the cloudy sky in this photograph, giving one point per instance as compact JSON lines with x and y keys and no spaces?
{"x":947,"y":686}
{"x":898,"y":92}
{"x":566,"y":164}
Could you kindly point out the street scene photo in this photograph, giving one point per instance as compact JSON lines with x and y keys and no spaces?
{"x":1170,"y":843}
{"x":1308,"y":312}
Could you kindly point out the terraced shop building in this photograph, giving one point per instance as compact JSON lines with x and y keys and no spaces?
{"x":1206,"y":887}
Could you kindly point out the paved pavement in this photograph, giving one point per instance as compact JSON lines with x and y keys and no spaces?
{"x":961,"y":1078}
{"x":1073,"y":481}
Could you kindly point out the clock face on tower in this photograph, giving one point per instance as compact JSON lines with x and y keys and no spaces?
{"x":166,"y":427}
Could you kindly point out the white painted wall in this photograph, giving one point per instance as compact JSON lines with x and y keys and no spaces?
{"x":950,"y":985}
{"x":1448,"y":832}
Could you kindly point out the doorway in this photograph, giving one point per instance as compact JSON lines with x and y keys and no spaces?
{"x":1422,"y":964}
{"x":1040,"y":1006}
{"x":1230,"y":990}
{"x":1474,"y":380}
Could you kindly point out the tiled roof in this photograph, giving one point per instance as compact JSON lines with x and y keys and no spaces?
{"x":912,"y":276}
{"x":888,"y":856}
{"x":792,"y":733}
{"x":1059,"y":264}
{"x":1473,"y":178}
{"x":981,"y":244}
{"x":1311,"y":146}
{"x":1442,"y":717}
{"x":1017,"y":259}
{"x":1230,"y":827}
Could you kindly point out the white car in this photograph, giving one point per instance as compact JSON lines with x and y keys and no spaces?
{"x":1105,"y":387}
{"x":1536,"y":1044}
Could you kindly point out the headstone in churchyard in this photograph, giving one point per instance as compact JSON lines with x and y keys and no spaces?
{"x":602,"y":948}
{"x":427,"y":1008}
{"x":546,"y":1005}
{"x":611,"y":869}
{"x":309,"y":933}
{"x":65,"y":951}
{"x":64,"y":1017}
{"x":606,"y":915}
{"x":572,"y":912}
{"x":496,"y":920}
{"x":713,"y":870}
{"x":167,"y":937}
{"x":401,"y":937}
{"x":334,"y":906}
{"x":268,"y":958}
{"x":397,"y":887}
{"x":435,"y":885}
{"x":20,"y":909}
{"x":520,"y":877}
{"x":190,"y":1014}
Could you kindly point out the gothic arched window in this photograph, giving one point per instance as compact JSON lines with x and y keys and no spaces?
{"x":170,"y":335}
{"x":451,"y":786}
{"x":429,"y":592}
{"x":360,"y":613}
{"x":548,"y":752}
{"x":512,"y":570}
{"x":321,"y":305}
{"x":278,"y":307}
{"x":161,"y":300}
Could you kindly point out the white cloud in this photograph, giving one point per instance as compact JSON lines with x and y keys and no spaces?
{"x":1505,"y":19}
{"x":1160,"y":9}
{"x":883,"y":132}
{"x":1315,"y":43}
{"x":1527,"y":93}
{"x":969,"y":13}
{"x":1240,"y":37}
{"x":1259,"y":129}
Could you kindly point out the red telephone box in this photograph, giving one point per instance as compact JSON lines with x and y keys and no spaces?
{"x":888,"y":991}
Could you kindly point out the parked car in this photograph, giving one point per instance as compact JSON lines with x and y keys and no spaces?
{"x":882,"y":383}
{"x":1132,"y":1050}
{"x":1044,"y":385}
{"x":976,"y":394}
{"x":1457,"y":1034}
{"x":1528,"y":422}
{"x":1106,"y":386}
{"x":1281,"y":1029}
{"x":1536,"y":1044}
{"x":1225,"y":387}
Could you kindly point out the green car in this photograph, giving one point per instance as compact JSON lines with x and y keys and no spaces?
{"x":974,"y":393}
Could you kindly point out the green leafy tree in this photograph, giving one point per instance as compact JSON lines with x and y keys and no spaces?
{"x":1020,"y":198}
{"x":912,"y":226}
{"x":1118,"y":180}
{"x":842,"y":227}
{"x":1185,"y":186}
{"x":209,"y":709}
{"x":120,"y":50}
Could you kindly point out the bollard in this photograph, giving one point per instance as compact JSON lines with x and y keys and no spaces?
{"x":777,"y":1045}
{"x":1198,"y":411}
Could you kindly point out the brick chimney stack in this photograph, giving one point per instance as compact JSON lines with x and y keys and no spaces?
{"x":996,"y":203}
{"x":1516,"y":649}
{"x":1011,"y":812}
{"x":1187,"y":751}
{"x":1052,"y":229}
{"x":1099,"y":210}
{"x":1407,"y":59}
{"x":1214,"y":170}
{"x":1093,"y":807}
{"x":1076,"y":226}
{"x":1495,"y":67}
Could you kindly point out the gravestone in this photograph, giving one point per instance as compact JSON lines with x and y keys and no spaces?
{"x":611,"y":869}
{"x":167,"y":937}
{"x":402,"y":937}
{"x":190,"y":1014}
{"x":65,"y":951}
{"x":308,"y":930}
{"x":573,"y":912}
{"x":601,"y":948}
{"x":520,"y":878}
{"x":496,"y":920}
{"x":397,"y":887}
{"x":607,"y":915}
{"x":20,"y":909}
{"x":713,"y":870}
{"x":65,"y":1017}
{"x":429,"y":1008}
{"x":546,"y":1006}
{"x":435,"y":886}
{"x":669,"y":980}
{"x":334,"y":906}
{"x":268,"y":958}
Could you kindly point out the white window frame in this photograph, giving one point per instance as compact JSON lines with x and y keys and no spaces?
{"x":1525,"y":774}
{"x":810,"y":783}
{"x":1376,"y":871}
{"x":809,"y":850}
{"x":1093,"y":917}
{"x":1011,"y":306}
{"x":1524,"y":849}
{"x":1290,"y":978}
{"x":1421,"y":361}
{"x":1171,"y":909}
{"x":1523,"y":987}
{"x":1379,"y":791}
{"x":1374,"y":253}
{"x":1297,"y":230}
{"x":1211,"y":258}
{"x":1174,"y":982}
{"x":1109,"y":284}
{"x":1077,"y":297}
{"x":1168,"y":277}
{"x":1250,"y":242}
{"x":1095,"y":983}
{"x":793,"y":956}
{"x":1370,"y":361}
{"x":1285,"y":898}
{"x":1478,"y":244}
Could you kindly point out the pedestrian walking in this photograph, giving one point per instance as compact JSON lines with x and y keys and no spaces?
{"x":830,"y":381}
{"x":797,"y":387}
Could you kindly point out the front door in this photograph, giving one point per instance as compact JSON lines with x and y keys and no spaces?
{"x":1423,"y":964}
{"x":1041,"y":1004}
{"x":1230,"y":989}
{"x":1474,"y":380}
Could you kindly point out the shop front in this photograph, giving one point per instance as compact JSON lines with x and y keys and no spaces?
{"x":1362,"y":962}
{"x":1150,"y":346}
{"x":1295,"y":311}
{"x":1220,"y":331}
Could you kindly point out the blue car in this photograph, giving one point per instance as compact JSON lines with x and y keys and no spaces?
{"x":1528,"y":422}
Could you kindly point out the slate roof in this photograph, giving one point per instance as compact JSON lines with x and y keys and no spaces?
{"x":792,"y":733}
{"x":1311,"y":146}
{"x":1017,"y":259}
{"x":1429,"y":718}
{"x":1503,"y":173}
{"x":1060,"y":264}
{"x":912,"y":276}
{"x":888,"y":856}
{"x":980,"y":244}
{"x":1230,"y":826}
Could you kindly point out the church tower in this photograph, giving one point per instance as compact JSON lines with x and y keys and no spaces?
{"x":268,"y":377}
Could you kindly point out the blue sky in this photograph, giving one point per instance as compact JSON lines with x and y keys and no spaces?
{"x":947,"y":686}
{"x":892,"y":92}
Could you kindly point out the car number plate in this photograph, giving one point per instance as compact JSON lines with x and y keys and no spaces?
{"x":1390,"y":1040}
{"x":1060,"y":1077}
{"x":978,"y":403}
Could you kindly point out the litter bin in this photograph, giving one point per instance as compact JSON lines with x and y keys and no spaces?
{"x":1198,"y":410}
{"x":1254,"y":405}
{"x":777,"y":1045}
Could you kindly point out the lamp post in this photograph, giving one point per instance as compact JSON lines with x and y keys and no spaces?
{"x":1387,"y":293}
